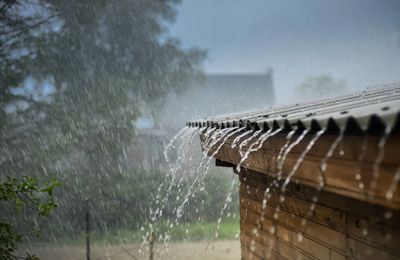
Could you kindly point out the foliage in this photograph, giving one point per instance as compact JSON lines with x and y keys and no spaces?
{"x":69,"y":109}
{"x":321,"y":86}
{"x":77,"y":77}
{"x":128,"y":206}
{"x":26,"y":193}
{"x":20,"y":23}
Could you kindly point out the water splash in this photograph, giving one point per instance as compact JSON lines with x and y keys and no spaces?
{"x":208,"y":132}
{"x":228,"y":199}
{"x":283,"y":148}
{"x":379,"y":158}
{"x":359,"y":176}
{"x":237,"y":138}
{"x":255,"y":146}
{"x":279,"y":157}
{"x":287,"y":151}
{"x":328,"y":155}
{"x":202,"y":169}
{"x":280,"y":161}
{"x":214,"y":136}
{"x":170,"y":145}
{"x":301,"y":158}
{"x":211,"y":139}
{"x":394,"y":185}
{"x":287,"y":148}
{"x":322,"y":170}
{"x":247,"y":140}
{"x":180,"y":143}
{"x":181,"y":160}
{"x":186,"y":136}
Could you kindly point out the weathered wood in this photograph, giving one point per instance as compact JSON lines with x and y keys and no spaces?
{"x":340,"y":204}
{"x":375,"y":234}
{"x":348,"y":217}
{"x":322,"y":215}
{"x":360,"y":250}
{"x":345,"y":173}
{"x":349,"y":149}
{"x":269,"y":246}
{"x":319,"y":233}
{"x":330,"y":232}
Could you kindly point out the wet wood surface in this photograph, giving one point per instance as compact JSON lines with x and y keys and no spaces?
{"x":293,"y":226}
{"x":351,"y":171}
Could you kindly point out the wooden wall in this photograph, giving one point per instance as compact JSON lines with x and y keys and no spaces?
{"x":345,"y":171}
{"x":338,"y":228}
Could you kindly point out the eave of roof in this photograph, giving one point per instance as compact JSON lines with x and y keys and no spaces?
{"x":372,"y":110}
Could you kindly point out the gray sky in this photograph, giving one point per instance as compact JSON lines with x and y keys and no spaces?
{"x":358,"y":41}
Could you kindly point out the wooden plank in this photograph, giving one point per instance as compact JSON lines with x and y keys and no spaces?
{"x":329,"y":217}
{"x":340,"y":176}
{"x":351,"y":146}
{"x":273,"y":243}
{"x":360,"y":250}
{"x":248,"y":255}
{"x":319,"y":233}
{"x":350,"y":220}
{"x":243,"y":213}
{"x":258,"y":249}
{"x":307,"y":245}
{"x":253,"y":246}
{"x":359,"y":209}
{"x":376,"y":234}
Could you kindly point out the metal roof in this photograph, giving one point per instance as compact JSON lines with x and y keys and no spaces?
{"x":372,"y":110}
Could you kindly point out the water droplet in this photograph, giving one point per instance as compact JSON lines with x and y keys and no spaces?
{"x":300,"y":237}
{"x":272,"y":229}
{"x":389,"y":195}
{"x":388,"y":214}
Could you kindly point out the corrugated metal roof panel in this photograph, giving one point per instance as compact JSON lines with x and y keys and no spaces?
{"x":368,"y":110}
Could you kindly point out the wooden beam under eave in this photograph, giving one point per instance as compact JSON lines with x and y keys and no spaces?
{"x":341,"y":176}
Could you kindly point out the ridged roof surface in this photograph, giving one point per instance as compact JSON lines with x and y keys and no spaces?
{"x":372,"y":110}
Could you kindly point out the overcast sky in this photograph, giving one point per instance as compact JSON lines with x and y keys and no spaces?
{"x":358,"y":41}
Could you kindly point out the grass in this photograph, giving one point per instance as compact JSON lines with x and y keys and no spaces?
{"x":228,"y":229}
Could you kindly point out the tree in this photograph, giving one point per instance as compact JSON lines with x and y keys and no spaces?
{"x":321,"y":86}
{"x":100,"y":59}
{"x":107,"y":59}
{"x":19,"y":24}
{"x":18,"y":194}
{"x":25,"y":194}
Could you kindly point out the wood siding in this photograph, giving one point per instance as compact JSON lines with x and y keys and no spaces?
{"x":346,"y":174}
{"x":339,"y":227}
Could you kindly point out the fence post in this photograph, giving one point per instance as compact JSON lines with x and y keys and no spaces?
{"x":87,"y":230}
{"x":151,"y":245}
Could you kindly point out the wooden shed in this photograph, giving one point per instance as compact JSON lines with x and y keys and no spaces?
{"x":320,"y":180}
